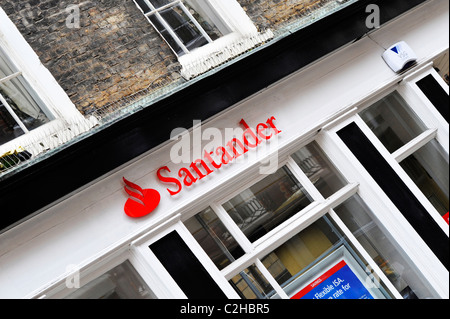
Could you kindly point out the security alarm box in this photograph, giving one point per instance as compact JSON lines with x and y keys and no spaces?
{"x":399,"y":56}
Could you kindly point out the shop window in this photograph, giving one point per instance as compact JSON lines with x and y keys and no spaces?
{"x":393,"y":121}
{"x":377,"y":242}
{"x":21,"y":110}
{"x":321,"y":264}
{"x":122,"y":282}
{"x":214,"y":238}
{"x":400,"y":130}
{"x":428,"y":167}
{"x":267,"y":204}
{"x":344,"y":253}
{"x":318,"y":168}
{"x":397,"y":190}
{"x":251,"y":284}
{"x":185,"y":25}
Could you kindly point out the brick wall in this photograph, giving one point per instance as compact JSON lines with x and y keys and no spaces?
{"x":275,"y":14}
{"x":114,"y":53}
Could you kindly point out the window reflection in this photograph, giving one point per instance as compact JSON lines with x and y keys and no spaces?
{"x":214,"y":238}
{"x":315,"y":164}
{"x":251,"y":284}
{"x":428,"y":168}
{"x":267,"y":204}
{"x":378,"y":244}
{"x":393,"y":121}
{"x":308,"y":260}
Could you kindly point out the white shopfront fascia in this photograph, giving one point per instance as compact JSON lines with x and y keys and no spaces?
{"x":90,"y":230}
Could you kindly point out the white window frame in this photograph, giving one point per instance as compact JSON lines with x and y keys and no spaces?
{"x":18,"y":73}
{"x":156,"y":11}
{"x":59,"y":106}
{"x":289,"y":228}
{"x":437,"y":128}
{"x":242,"y":37}
{"x":163,"y":278}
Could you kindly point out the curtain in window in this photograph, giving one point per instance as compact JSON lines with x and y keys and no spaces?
{"x":15,"y":92}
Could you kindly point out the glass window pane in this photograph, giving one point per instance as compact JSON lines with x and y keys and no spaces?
{"x":183,"y":27}
{"x":9,"y":129}
{"x":143,"y":5}
{"x":159,"y":3}
{"x":318,"y":263}
{"x":214,"y":238}
{"x":206,"y":16}
{"x":393,"y":121}
{"x":315,"y":164}
{"x":122,"y":282}
{"x":6,"y":68}
{"x":251,"y":284}
{"x":166,"y":35}
{"x":267,"y":204}
{"x":378,"y":244}
{"x":17,"y":95}
{"x":428,"y":168}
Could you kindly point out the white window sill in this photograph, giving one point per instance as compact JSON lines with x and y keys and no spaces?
{"x":49,"y":136}
{"x":220,"y":51}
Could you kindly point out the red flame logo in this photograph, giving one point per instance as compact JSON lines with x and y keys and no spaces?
{"x":142,"y":201}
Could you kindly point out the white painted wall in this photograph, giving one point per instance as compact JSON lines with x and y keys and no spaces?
{"x":92,"y":221}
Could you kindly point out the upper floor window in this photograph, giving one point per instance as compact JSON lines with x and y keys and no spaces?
{"x":203,"y":33}
{"x":20,"y":108}
{"x":36,"y":115}
{"x":185,"y":25}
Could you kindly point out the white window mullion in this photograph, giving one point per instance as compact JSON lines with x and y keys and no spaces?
{"x":304,"y":180}
{"x":414,"y":145}
{"x":170,"y":4}
{"x":401,"y":173}
{"x":10,"y":77}
{"x":13,"y":114}
{"x":199,"y":27}
{"x":172,"y":33}
{"x":279,"y":290}
{"x":234,"y":229}
{"x":206,"y":261}
{"x":364,"y":254}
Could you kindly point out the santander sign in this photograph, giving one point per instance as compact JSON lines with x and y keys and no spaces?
{"x":145,"y":201}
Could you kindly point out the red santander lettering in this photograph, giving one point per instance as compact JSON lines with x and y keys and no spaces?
{"x":169,"y":180}
{"x":200,"y":168}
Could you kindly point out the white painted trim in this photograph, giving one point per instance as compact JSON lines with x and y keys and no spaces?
{"x":414,"y":145}
{"x":364,"y":254}
{"x":392,"y":219}
{"x":399,"y":170}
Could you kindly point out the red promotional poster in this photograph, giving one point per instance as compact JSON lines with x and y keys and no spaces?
{"x":339,"y":282}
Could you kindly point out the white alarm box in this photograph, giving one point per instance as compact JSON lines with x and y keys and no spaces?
{"x":399,"y":56}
